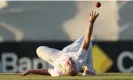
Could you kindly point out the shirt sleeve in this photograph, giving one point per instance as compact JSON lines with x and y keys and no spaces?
{"x":53,"y":72}
{"x":82,"y":54}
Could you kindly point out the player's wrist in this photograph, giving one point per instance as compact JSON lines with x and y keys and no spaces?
{"x":92,"y":22}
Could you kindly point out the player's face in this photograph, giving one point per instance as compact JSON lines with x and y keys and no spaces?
{"x":73,"y":69}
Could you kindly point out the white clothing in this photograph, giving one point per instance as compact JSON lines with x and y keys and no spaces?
{"x":79,"y":58}
{"x":56,"y":57}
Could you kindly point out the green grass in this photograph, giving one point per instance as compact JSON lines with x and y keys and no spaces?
{"x":100,"y":76}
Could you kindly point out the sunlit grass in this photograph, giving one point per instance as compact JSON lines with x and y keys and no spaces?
{"x":101,"y":76}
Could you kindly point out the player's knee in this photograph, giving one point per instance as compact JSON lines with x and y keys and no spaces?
{"x":39,"y":50}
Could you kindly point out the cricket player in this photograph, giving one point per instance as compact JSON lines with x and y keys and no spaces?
{"x":69,"y":61}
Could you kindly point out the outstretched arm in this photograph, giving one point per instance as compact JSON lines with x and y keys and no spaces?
{"x":86,"y":41}
{"x":51,"y":72}
{"x":37,"y":71}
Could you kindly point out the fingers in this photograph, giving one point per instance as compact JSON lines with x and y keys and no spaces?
{"x":91,"y":13}
{"x":25,"y":73}
{"x":93,"y":74}
{"x":97,"y":15}
{"x":94,"y":14}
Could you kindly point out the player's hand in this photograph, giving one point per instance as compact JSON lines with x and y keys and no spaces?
{"x":25,"y":73}
{"x":90,"y":73}
{"x":93,"y":16}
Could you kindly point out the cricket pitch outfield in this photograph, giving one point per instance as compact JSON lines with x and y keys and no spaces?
{"x":99,"y":76}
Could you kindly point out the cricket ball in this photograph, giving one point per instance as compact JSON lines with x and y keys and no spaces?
{"x":98,"y":4}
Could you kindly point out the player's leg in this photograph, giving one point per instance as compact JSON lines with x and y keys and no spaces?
{"x":74,"y":47}
{"x":48,"y":54}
